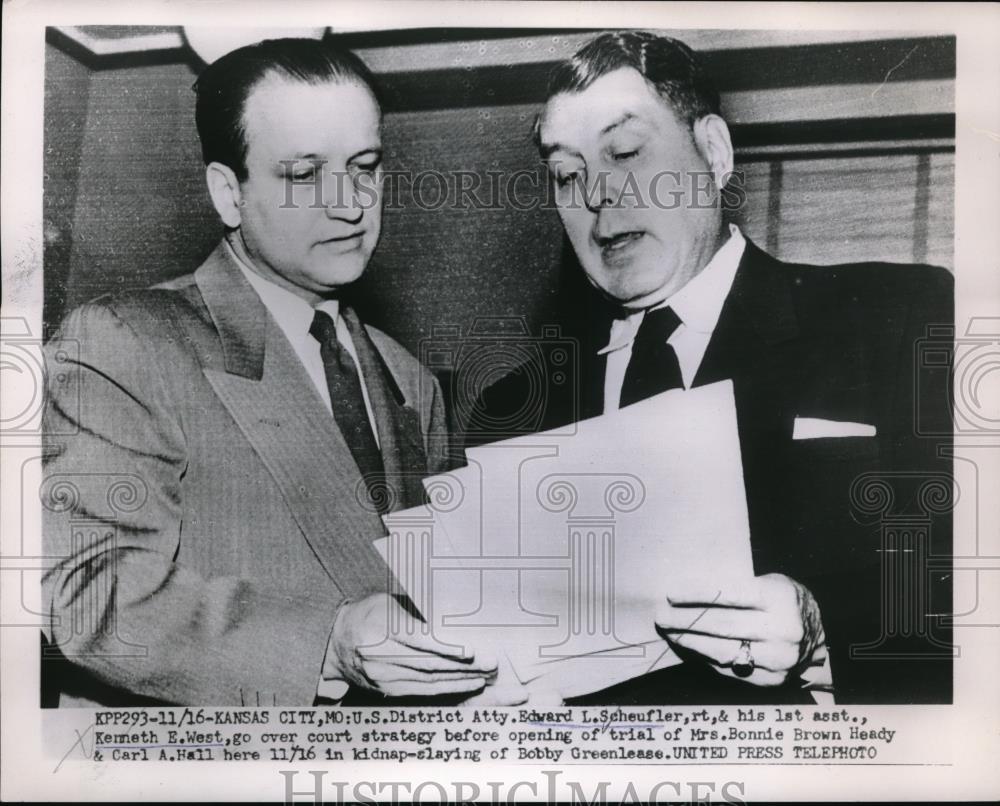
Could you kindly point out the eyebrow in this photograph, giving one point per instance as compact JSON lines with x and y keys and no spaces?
{"x":619,"y":122}
{"x":547,"y":149}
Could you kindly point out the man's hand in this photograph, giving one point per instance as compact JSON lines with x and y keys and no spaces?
{"x":401,"y":662}
{"x":505,"y":690}
{"x":777,"y":615}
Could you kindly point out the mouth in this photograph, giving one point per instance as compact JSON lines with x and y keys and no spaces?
{"x":619,"y":243}
{"x":343,"y":238}
{"x":344,"y":242}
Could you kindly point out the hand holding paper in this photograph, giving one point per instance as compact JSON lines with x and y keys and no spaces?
{"x":506,"y":690}
{"x":776,"y":614}
{"x":556,"y":550}
{"x":401,"y":662}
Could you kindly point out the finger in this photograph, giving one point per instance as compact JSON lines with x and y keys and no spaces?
{"x":421,"y":660}
{"x":730,"y":622}
{"x":697,"y":593}
{"x":509,"y":694}
{"x":409,"y":688}
{"x":760,"y":677}
{"x":773,"y":656}
{"x":416,"y":659}
{"x":502,"y":695}
{"x":417,"y":635}
{"x":485,"y":659}
{"x":720,"y":651}
{"x":425,"y":642}
{"x":381,"y":672}
{"x":778,"y":591}
{"x":545,"y":697}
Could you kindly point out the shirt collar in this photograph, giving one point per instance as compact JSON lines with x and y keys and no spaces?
{"x":292,"y":313}
{"x":698,"y":304}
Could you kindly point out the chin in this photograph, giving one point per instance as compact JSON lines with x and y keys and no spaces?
{"x":634,"y":286}
{"x":343,"y":274}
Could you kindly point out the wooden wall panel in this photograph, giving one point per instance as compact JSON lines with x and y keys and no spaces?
{"x":941,"y":211}
{"x":837,"y":209}
{"x":833,"y":211}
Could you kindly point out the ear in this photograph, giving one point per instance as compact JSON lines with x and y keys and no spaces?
{"x":711,"y":136}
{"x":224,"y":188}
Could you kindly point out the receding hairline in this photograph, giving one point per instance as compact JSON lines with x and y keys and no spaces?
{"x":276,"y":75}
{"x":536,"y":132}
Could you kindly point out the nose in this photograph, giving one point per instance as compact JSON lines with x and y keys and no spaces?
{"x":603,"y":190}
{"x":342,"y":200}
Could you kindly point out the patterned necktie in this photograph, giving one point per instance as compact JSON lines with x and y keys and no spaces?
{"x":348,"y":403}
{"x":653,"y":367}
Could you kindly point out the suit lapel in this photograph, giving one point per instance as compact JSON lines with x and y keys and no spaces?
{"x":400,"y":437}
{"x":271,"y":398}
{"x":754,"y":345}
{"x":757,"y":316}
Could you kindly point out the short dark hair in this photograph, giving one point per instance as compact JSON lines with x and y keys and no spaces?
{"x":223,"y":87}
{"x":675,"y":71}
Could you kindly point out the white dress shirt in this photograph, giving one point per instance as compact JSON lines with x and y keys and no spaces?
{"x":698,"y":305}
{"x":294,"y":316}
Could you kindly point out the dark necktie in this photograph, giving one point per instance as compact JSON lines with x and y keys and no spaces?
{"x":653,"y":367}
{"x":348,"y":403}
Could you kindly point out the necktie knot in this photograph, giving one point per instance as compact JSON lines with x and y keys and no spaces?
{"x":653,"y":367}
{"x":323,"y":328}
{"x":659,"y":324}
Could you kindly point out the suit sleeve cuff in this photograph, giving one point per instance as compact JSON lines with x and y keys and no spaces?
{"x":332,"y":687}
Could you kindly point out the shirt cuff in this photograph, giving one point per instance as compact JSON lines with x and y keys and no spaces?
{"x":818,"y":680}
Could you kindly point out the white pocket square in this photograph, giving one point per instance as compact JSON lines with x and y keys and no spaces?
{"x":815,"y":428}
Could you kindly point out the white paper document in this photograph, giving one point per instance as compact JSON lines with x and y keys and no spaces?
{"x":555,"y":550}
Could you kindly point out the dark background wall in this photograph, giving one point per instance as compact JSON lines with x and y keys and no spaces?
{"x":829,"y":178}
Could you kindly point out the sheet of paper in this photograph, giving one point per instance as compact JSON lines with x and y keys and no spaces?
{"x":551,"y":549}
{"x":574,"y":677}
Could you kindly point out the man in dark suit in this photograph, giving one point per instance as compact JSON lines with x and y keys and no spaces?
{"x":823,"y":364}
{"x":221,"y":446}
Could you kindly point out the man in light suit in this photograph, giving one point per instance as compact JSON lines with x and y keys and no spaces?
{"x":221,"y":446}
{"x":824,"y":366}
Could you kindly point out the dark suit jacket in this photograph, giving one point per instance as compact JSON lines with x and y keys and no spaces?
{"x":201,"y":500}
{"x":850,"y":518}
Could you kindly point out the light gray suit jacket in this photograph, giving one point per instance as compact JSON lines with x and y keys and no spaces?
{"x":208,"y":515}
